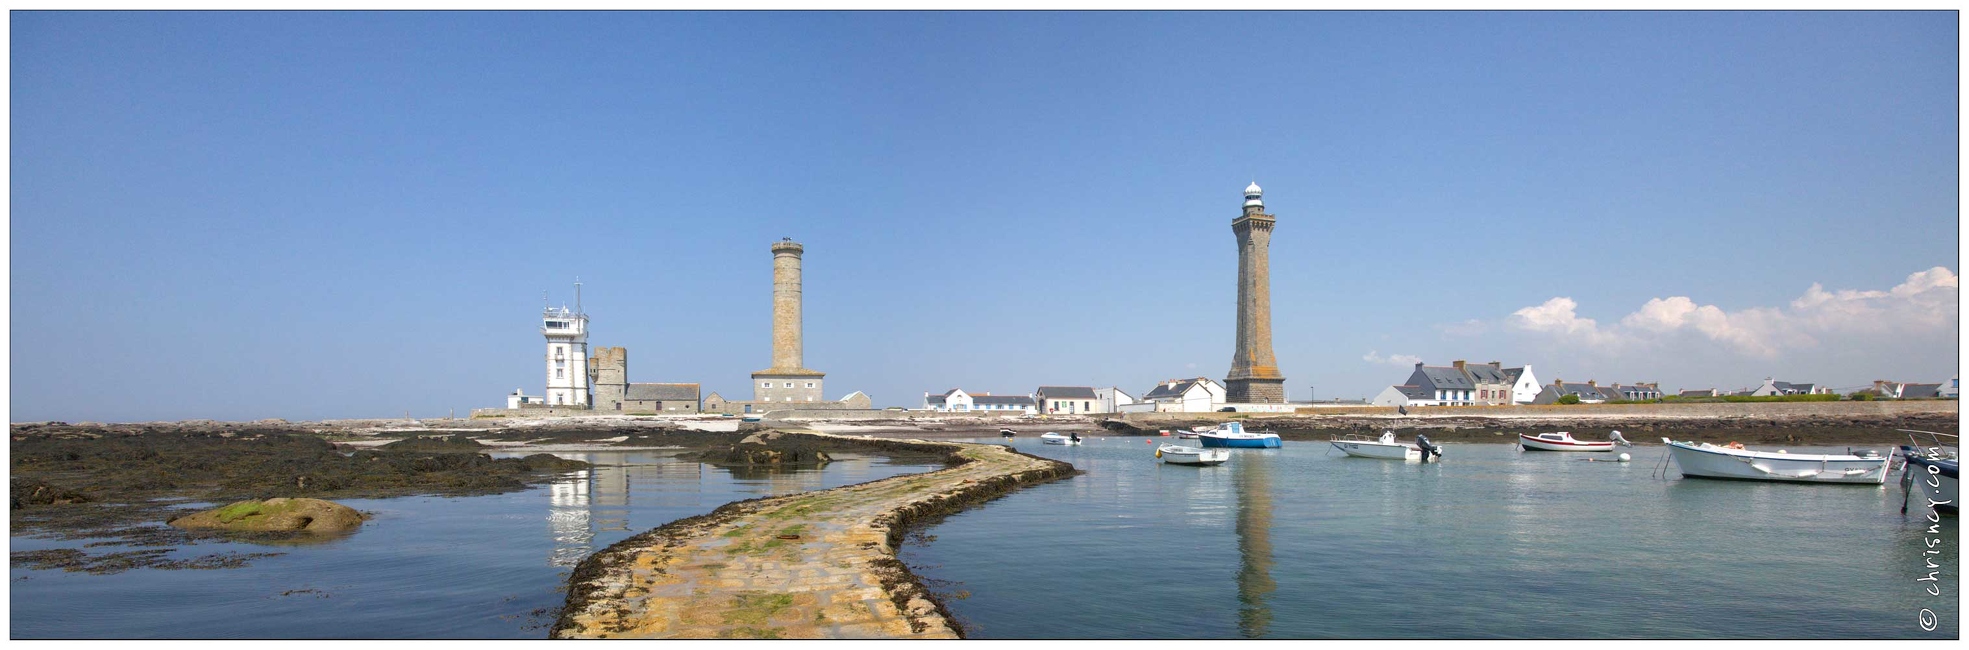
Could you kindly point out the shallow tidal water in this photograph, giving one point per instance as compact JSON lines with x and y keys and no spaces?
{"x":479,"y":567}
{"x":1304,"y":542}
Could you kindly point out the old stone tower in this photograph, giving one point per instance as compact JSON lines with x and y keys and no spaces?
{"x":608,"y":372}
{"x":1254,"y":377}
{"x":786,"y":381}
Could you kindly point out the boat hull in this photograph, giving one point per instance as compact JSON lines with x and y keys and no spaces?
{"x":1534,"y":443}
{"x":1240,"y":441}
{"x":1384,"y":451}
{"x":1721,"y":463}
{"x":1937,"y":485}
{"x":1175,"y":455}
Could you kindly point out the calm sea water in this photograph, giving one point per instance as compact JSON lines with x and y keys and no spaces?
{"x":424,"y":567}
{"x":1491,"y":543}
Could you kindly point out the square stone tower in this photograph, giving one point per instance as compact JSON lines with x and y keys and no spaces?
{"x":787,"y":381}
{"x":608,"y":373}
{"x":1254,"y":377}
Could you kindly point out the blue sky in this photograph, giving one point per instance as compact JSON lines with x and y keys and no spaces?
{"x":322,"y":215}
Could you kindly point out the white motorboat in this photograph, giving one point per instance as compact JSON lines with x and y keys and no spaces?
{"x":1561,"y":441}
{"x":1385,"y":447}
{"x":1056,"y":438}
{"x":1179,"y":455}
{"x":1187,"y":434}
{"x":1705,"y":460}
{"x":1931,"y":472}
{"x":1232,"y":434}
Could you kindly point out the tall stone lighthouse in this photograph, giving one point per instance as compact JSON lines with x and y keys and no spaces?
{"x":787,"y":380}
{"x":1254,"y":377}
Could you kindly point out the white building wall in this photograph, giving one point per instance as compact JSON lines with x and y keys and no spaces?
{"x":1198,"y":399}
{"x":1111,"y":399}
{"x":1526,"y":389}
{"x":567,"y":359}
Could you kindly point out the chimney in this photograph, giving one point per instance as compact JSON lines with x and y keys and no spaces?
{"x":1458,"y":364}
{"x":1497,"y":364}
{"x":1593,"y":383}
{"x":1418,"y":365}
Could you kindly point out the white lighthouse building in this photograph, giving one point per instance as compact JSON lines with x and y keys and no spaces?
{"x":567,"y":354}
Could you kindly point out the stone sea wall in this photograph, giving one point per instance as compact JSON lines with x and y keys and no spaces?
{"x":811,"y":565}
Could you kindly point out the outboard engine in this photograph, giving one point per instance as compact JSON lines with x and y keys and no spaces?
{"x":1073,"y":436}
{"x":1422,"y":442}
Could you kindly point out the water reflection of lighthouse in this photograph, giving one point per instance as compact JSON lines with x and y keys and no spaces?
{"x":1254,"y":544}
{"x":586,"y":501}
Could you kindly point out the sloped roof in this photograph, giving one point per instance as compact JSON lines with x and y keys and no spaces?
{"x":1412,"y":391}
{"x":662,"y":392}
{"x":1013,"y":400}
{"x":1485,"y":374}
{"x":1445,"y":377}
{"x":1165,"y":390}
{"x":1066,"y":392}
{"x":1920,"y":390}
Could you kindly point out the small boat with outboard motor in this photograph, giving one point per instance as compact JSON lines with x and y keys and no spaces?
{"x":1931,"y":471}
{"x":1734,"y":461}
{"x":1563,"y":441}
{"x":1006,"y":433}
{"x":1188,"y":434}
{"x":1180,"y":455}
{"x":1386,"y":447}
{"x":1055,"y":438}
{"x":1232,"y":434}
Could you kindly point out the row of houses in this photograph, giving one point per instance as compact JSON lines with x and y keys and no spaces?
{"x":1491,"y":384}
{"x":1193,"y":395}
{"x":1462,"y":384}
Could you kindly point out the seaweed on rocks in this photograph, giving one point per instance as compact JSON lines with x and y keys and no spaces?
{"x":73,"y":482}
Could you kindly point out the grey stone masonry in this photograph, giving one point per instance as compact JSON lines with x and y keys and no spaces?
{"x":1254,"y":376}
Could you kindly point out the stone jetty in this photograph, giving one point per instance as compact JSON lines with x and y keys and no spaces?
{"x":817,"y":564}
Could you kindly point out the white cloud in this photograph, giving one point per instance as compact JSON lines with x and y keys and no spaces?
{"x":1392,"y":359}
{"x":1924,"y":304}
{"x":1556,"y":318}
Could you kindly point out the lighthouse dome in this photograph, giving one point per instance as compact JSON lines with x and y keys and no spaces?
{"x":1254,"y":196}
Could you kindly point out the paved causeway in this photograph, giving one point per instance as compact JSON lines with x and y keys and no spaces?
{"x":810,"y":565}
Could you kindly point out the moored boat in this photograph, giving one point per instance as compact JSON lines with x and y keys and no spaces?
{"x":1705,"y":460}
{"x":1232,"y":434}
{"x":1931,"y":473}
{"x":1561,"y":441}
{"x":1055,"y":438}
{"x":1006,"y":433}
{"x":1180,"y":455}
{"x":1385,"y":448}
{"x":1186,"y":434}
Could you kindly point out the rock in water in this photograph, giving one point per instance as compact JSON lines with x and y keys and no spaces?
{"x":276,"y":515}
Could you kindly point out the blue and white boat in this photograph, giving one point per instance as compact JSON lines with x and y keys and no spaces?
{"x":1232,"y":434}
{"x":1931,"y":472}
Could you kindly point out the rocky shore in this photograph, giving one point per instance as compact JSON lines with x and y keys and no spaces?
{"x":1810,"y":423}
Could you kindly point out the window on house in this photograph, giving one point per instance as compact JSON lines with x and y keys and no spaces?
{"x":789,"y":384}
{"x":810,"y":384}
{"x":765,"y":384}
{"x":557,"y":373}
